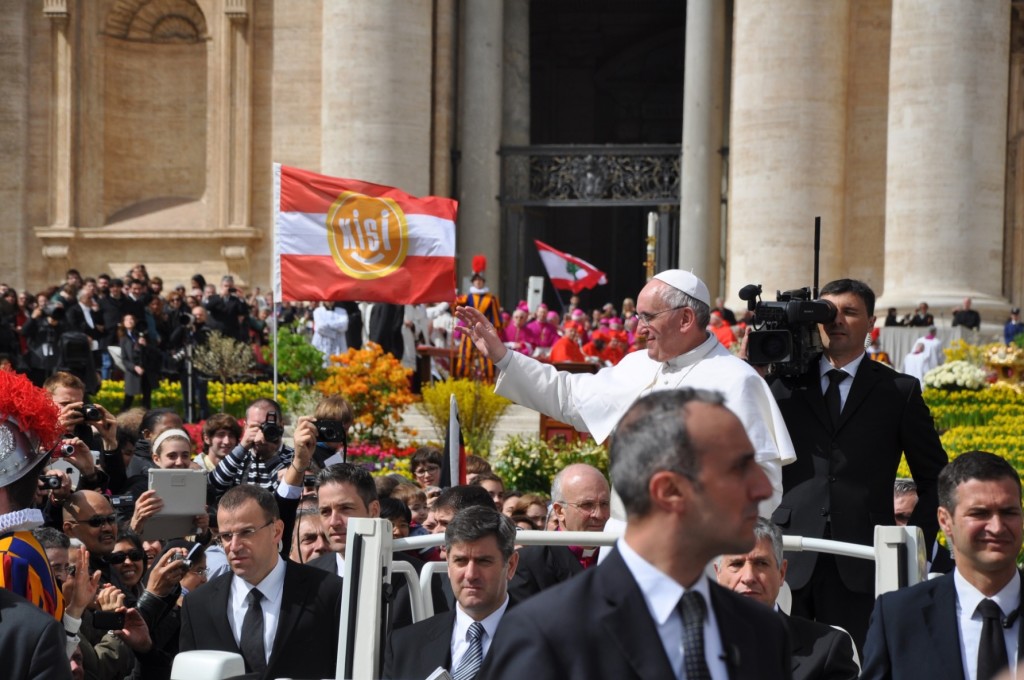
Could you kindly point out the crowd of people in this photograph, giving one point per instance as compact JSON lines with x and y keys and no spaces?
{"x":712,"y":461}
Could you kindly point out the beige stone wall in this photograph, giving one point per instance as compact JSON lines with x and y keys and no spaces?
{"x":14,"y":142}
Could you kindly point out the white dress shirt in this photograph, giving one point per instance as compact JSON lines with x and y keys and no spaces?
{"x":969,"y":622}
{"x":844,"y":387}
{"x":662,"y":594}
{"x":272,"y":589}
{"x":460,"y":632}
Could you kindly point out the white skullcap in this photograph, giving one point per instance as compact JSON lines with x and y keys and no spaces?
{"x":686,"y":282}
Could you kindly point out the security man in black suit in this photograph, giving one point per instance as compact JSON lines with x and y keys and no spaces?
{"x":820,"y":652}
{"x":850,"y":419}
{"x":282,"y":617}
{"x":687,"y":475}
{"x":480,"y":543}
{"x":965,"y":624}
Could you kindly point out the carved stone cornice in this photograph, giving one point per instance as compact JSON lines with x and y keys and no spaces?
{"x":237,"y":10}
{"x":56,"y":9}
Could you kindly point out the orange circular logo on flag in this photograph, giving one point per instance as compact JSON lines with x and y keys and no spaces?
{"x":369,"y":237}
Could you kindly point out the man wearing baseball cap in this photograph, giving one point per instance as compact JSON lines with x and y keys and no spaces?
{"x":673,"y":309}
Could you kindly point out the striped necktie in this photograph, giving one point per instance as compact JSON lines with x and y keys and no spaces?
{"x":474,"y":655}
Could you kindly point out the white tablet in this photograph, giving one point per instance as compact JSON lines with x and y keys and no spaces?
{"x":184,"y":495}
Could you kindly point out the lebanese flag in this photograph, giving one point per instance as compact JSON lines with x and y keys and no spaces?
{"x":568,"y":272}
{"x":345,"y":239}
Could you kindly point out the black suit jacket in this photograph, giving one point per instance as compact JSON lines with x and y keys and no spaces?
{"x":540,"y":567}
{"x":820,"y":652}
{"x":914,"y":633}
{"x":597,"y":625}
{"x":306,"y":642}
{"x":843,"y":475}
{"x":31,"y":641}
{"x":414,"y":652}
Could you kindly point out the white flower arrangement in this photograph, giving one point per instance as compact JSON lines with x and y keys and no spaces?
{"x":955,"y":375}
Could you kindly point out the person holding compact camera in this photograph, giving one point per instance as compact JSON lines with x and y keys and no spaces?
{"x":98,"y":459}
{"x":261,"y":453}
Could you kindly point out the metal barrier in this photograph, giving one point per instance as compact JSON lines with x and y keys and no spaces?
{"x":898,"y":552}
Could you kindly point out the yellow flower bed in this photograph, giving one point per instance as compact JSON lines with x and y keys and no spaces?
{"x":168,"y":395}
{"x":991,"y":419}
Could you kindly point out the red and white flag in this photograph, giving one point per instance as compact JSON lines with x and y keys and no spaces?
{"x":568,"y":272}
{"x":344,"y":239}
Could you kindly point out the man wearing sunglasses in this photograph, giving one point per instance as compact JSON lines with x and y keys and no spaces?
{"x":89,"y":517}
{"x":674,"y":310}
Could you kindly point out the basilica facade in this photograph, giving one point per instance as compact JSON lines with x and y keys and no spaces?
{"x":146,"y":131}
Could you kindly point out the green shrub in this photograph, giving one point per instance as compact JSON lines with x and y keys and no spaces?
{"x":297,"y":361}
{"x":529,"y":464}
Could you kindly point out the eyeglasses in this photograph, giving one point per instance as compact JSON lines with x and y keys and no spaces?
{"x":591,"y":507}
{"x":96,"y":521}
{"x":243,"y":535}
{"x":646,"y":318}
{"x":120,"y":557}
{"x":427,"y":470}
{"x":203,"y":572}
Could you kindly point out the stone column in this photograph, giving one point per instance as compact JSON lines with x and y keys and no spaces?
{"x":14,"y":138}
{"x":376,"y":91}
{"x":787,"y":141}
{"x":61,"y":116}
{"x":946,"y":153}
{"x":446,"y":36}
{"x":236,"y":89}
{"x":701,"y":182}
{"x":480,"y":127}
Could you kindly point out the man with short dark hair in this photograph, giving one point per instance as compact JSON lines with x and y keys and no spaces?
{"x":964,"y":624}
{"x":280,"y":616}
{"x":455,"y":498}
{"x":820,"y":652}
{"x":851,"y":420}
{"x":343,"y":491}
{"x":480,"y":543}
{"x":689,"y":480}
{"x":260,"y":454}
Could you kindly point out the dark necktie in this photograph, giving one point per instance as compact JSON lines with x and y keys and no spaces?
{"x":252,"y":647}
{"x":694,"y":610}
{"x":833,"y":400}
{"x":474,"y":656}
{"x":992,"y":657}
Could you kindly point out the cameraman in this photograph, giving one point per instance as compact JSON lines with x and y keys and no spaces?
{"x":260,"y":454}
{"x":192,"y":332}
{"x":850,"y":420}
{"x":42,"y":332}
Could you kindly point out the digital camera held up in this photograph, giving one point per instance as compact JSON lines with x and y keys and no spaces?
{"x":270,"y":428}
{"x":784,"y":333}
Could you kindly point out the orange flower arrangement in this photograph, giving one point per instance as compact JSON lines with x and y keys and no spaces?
{"x":376,"y":385}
